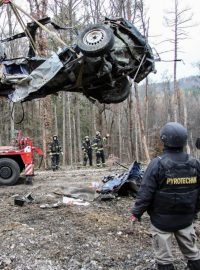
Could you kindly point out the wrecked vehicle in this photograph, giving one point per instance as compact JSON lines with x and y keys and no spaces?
{"x":123,"y":184}
{"x":100,"y":65}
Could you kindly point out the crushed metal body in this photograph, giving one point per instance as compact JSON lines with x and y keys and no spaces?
{"x":100,"y":70}
{"x":123,"y":184}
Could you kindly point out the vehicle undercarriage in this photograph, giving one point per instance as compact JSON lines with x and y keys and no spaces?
{"x":103,"y":63}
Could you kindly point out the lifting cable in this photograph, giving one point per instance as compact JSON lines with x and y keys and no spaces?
{"x":16,"y":9}
{"x":42,"y":26}
{"x":36,"y":21}
{"x":26,"y":31}
{"x":141,"y":62}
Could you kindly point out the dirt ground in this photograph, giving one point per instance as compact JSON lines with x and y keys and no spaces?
{"x":72,"y":237}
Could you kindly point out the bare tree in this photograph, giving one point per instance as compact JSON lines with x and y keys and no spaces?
{"x":39,"y":10}
{"x":144,"y":26}
{"x":143,"y":137}
{"x":178,"y":20}
{"x":64,"y":126}
{"x":69,"y":129}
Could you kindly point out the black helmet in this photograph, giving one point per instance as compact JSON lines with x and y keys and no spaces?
{"x":173,"y":135}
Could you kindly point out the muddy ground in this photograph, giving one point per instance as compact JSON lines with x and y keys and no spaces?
{"x":72,"y":237}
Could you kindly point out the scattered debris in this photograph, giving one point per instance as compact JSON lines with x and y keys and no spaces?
{"x":72,"y":201}
{"x":126,"y":183}
{"x":29,"y":198}
{"x":65,"y":201}
{"x":94,"y":237}
{"x":85,"y":192}
{"x":107,"y":196}
{"x":20,"y":200}
{"x":52,"y":205}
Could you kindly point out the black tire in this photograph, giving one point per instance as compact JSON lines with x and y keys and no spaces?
{"x":95,"y":40}
{"x":120,"y":92}
{"x":9,"y":171}
{"x":116,"y":94}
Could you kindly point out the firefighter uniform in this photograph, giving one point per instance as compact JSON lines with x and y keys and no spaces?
{"x":98,"y":144}
{"x":55,"y":151}
{"x":170,"y":194}
{"x":87,"y":151}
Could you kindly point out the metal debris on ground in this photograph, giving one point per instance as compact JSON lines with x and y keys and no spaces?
{"x":20,"y":199}
{"x":72,"y":201}
{"x":123,"y":184}
{"x":52,"y":205}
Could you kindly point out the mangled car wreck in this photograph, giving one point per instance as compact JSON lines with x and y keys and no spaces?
{"x":100,"y":65}
{"x":123,"y":184}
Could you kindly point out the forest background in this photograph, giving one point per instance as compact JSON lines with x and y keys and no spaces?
{"x":134,"y":124}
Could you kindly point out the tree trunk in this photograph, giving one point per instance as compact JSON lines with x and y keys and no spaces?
{"x":120,"y":134}
{"x":55,"y":118}
{"x":12,"y":109}
{"x":94,"y":124}
{"x":146,"y":107}
{"x":74,"y":140}
{"x":78,"y":129}
{"x":47,"y":126}
{"x":12,"y":121}
{"x":130,"y":123}
{"x":38,"y":10}
{"x":185,"y":119}
{"x":143,"y":137}
{"x":64,"y":127}
{"x":99,"y":118}
{"x":136,"y":135}
{"x":69,"y":129}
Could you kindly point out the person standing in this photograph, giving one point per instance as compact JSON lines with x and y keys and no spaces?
{"x":170,"y":194}
{"x":55,"y":151}
{"x":87,"y":151}
{"x":98,"y":146}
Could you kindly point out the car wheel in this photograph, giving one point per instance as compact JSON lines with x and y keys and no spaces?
{"x":119,"y":93}
{"x":107,"y":94}
{"x":95,"y":40}
{"x":9,"y":171}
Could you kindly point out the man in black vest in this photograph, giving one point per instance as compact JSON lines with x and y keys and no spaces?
{"x":170,"y":194}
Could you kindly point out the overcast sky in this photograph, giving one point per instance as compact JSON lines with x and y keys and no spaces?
{"x":190,"y":46}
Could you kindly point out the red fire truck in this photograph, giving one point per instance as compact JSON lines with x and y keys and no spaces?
{"x":17,"y":157}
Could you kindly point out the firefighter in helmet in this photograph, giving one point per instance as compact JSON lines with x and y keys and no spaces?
{"x":170,"y":192}
{"x":55,"y":151}
{"x":87,"y":151}
{"x":98,"y":146}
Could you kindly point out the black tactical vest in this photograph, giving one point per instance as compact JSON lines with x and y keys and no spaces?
{"x":55,"y":147}
{"x":178,"y":187}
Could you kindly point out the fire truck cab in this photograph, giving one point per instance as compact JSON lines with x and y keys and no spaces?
{"x":17,"y":157}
